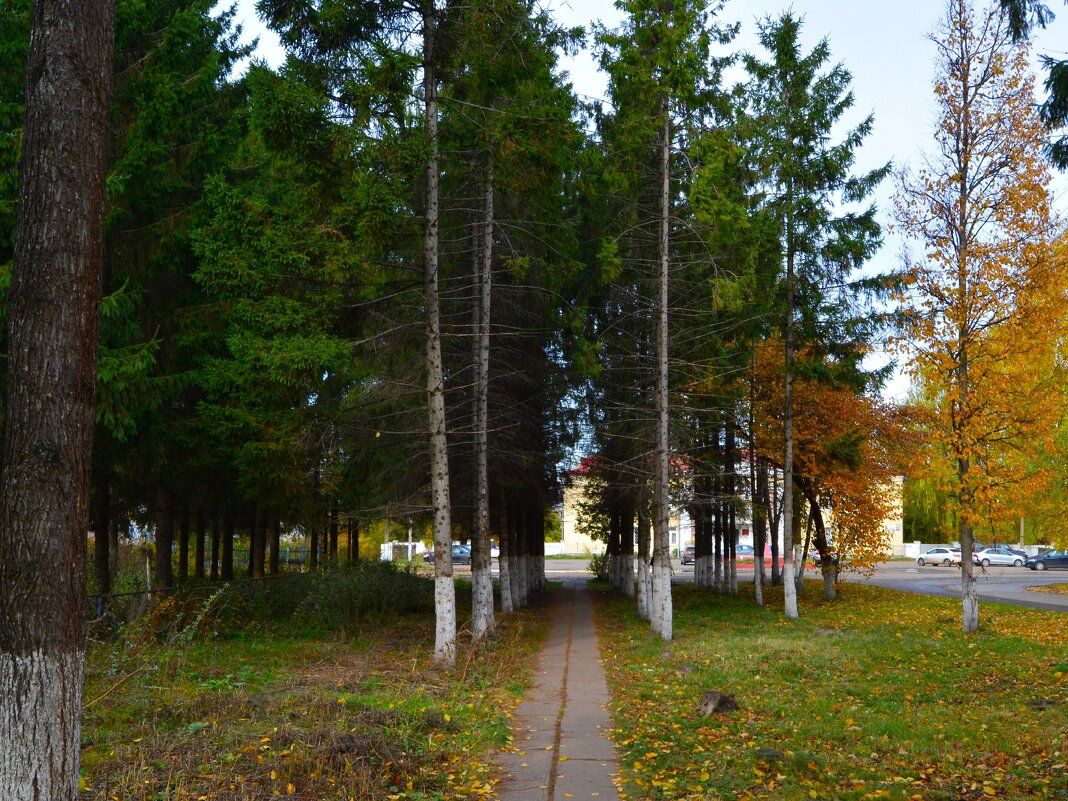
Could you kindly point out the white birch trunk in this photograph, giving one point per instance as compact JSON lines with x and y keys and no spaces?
{"x":661,"y":617}
{"x":482,"y":621}
{"x":644,"y":577}
{"x":444,"y":588}
{"x":504,"y":565}
{"x":789,"y":588}
{"x":968,"y":591}
{"x":758,"y":551}
{"x":702,"y":569}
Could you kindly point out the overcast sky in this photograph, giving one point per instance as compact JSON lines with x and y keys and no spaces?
{"x":883,"y":43}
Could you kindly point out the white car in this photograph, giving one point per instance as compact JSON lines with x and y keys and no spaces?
{"x":940,"y":556}
{"x":998,"y":555}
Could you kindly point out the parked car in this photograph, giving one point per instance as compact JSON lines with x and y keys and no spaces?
{"x":744,"y":552}
{"x":939,"y":556}
{"x":1048,"y":561}
{"x":999,"y":555}
{"x":461,"y":555}
{"x":689,"y":555}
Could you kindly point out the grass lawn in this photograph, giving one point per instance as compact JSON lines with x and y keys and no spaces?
{"x":875,"y":695}
{"x":233,"y":701}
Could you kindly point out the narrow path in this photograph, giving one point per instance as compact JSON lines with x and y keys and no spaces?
{"x":560,"y":729}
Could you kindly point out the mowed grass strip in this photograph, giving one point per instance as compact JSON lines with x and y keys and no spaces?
{"x":874,"y":695}
{"x":231,"y":701}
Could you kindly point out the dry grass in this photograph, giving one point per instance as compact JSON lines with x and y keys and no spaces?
{"x":266,"y":711}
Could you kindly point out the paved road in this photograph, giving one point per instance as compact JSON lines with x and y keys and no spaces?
{"x":1002,"y":584}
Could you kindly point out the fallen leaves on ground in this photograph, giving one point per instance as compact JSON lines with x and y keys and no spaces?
{"x":875,"y":695}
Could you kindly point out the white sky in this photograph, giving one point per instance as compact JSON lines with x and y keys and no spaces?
{"x":883,"y":43}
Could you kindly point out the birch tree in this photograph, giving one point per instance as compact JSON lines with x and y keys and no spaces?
{"x":987,"y":297}
{"x":48,"y":422}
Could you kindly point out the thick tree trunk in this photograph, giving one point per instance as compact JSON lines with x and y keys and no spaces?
{"x":313,"y":550}
{"x":53,"y":303}
{"x":661,"y":617}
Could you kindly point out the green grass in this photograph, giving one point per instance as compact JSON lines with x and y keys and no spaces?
{"x":319,"y":688}
{"x":875,"y":695}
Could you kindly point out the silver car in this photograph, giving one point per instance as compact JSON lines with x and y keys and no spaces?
{"x":998,"y":555}
{"x":939,"y":556}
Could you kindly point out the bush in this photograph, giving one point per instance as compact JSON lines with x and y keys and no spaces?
{"x":336,"y":600}
{"x":599,"y":565}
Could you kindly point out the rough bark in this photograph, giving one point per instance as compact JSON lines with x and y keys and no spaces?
{"x":53,"y":304}
{"x":482,"y":592}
